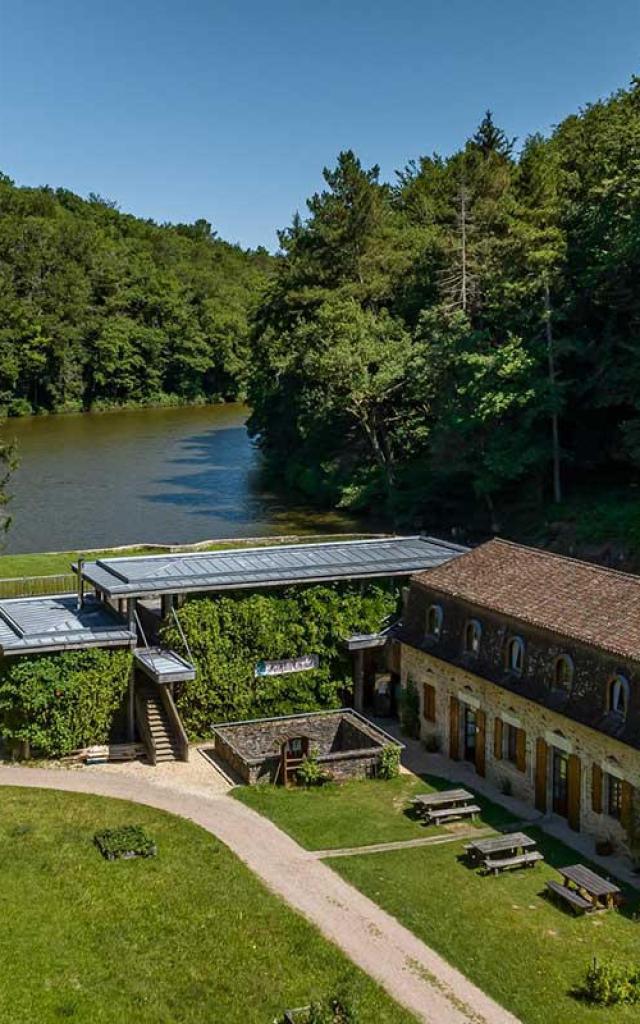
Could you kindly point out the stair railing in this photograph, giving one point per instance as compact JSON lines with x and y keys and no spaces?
{"x":143,"y":727}
{"x":179,"y":735}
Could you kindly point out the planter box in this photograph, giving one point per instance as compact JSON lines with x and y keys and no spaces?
{"x":125,"y":843}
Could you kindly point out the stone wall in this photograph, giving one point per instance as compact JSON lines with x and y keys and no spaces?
{"x":585,"y":701}
{"x":537,"y":722}
{"x":347,"y":746}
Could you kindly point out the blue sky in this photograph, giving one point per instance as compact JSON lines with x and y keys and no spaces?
{"x":229,"y":110}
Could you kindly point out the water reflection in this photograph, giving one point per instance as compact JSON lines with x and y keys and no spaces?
{"x":157,"y":475}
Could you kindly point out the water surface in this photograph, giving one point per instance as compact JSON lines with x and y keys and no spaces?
{"x":145,"y":476}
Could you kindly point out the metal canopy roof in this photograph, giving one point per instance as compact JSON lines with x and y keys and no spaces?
{"x":34,"y":625}
{"x":271,"y":566}
{"x":164,"y":666}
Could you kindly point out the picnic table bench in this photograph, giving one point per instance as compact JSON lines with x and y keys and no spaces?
{"x":511,"y":850}
{"x":577,"y":902}
{"x":448,"y":813}
{"x":582,"y":885}
{"x":446,"y":805}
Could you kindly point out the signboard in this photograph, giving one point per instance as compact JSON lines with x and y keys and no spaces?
{"x":304,"y":663}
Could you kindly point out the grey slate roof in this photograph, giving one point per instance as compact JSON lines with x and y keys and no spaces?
{"x":147,"y":575}
{"x":164,"y":666}
{"x":39,"y":624}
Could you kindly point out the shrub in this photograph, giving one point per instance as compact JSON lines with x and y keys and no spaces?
{"x":410,"y":710}
{"x":128,"y":841}
{"x":229,"y":634}
{"x":609,"y":984}
{"x":60,"y":702}
{"x":311,"y":773}
{"x":389,"y":767}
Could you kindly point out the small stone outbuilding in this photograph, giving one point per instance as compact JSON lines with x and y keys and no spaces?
{"x":347,"y":746}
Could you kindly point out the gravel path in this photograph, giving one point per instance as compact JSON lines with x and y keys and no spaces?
{"x":408,"y":969}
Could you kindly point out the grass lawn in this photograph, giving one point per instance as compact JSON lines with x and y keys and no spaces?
{"x":518,"y":947}
{"x":188,"y":937}
{"x":357,"y":813}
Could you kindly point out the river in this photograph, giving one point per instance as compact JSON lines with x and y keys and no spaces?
{"x":145,"y":476}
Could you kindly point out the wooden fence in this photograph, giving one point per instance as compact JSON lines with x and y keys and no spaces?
{"x":37,"y":586}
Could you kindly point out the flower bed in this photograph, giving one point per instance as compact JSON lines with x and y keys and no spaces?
{"x":125,"y":843}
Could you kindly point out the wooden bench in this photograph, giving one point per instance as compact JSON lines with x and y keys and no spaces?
{"x":447,"y":813}
{"x":521,"y":860}
{"x":577,"y":902}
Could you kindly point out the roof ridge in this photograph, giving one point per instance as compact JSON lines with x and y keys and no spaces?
{"x":560,"y":557}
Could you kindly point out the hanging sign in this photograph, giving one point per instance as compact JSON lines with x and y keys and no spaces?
{"x":304,"y":663}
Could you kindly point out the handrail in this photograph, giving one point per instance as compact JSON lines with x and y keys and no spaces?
{"x":175,"y":722}
{"x":143,"y":726}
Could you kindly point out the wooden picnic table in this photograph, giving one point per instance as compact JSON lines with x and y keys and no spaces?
{"x":511,"y":850}
{"x":445,"y":806}
{"x":590,"y":886}
{"x":445,"y":798}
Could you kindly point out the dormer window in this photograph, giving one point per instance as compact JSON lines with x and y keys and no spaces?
{"x":514,"y":655}
{"x":619,"y":696}
{"x":472,"y":634}
{"x":563,"y":672}
{"x":434,"y":621}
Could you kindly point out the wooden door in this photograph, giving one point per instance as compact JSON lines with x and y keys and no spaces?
{"x":596,"y":789}
{"x":574,"y":775}
{"x":541,"y":775}
{"x":497,"y":739}
{"x":454,"y":729}
{"x":481,"y":742}
{"x":560,"y":782}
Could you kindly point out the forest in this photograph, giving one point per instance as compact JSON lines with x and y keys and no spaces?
{"x":462,"y":343}
{"x":99,"y":308}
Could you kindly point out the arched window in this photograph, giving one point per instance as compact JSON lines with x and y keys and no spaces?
{"x":563,"y":672}
{"x":619,"y":695}
{"x":434,"y":621}
{"x":472,"y":634}
{"x":515,"y":655}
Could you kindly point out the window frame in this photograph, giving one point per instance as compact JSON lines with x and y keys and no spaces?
{"x":621,"y":683}
{"x":509,"y":665}
{"x":614,"y":796}
{"x":476,"y":627}
{"x":434,"y":609}
{"x":510,"y":751}
{"x":566,"y":660}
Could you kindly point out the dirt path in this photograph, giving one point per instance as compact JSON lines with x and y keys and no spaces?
{"x":408,"y":969}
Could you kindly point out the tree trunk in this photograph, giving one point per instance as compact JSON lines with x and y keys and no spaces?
{"x":555,"y":434}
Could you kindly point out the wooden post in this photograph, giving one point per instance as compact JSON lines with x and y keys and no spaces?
{"x":574,"y":774}
{"x":541,"y":775}
{"x":358,"y":687}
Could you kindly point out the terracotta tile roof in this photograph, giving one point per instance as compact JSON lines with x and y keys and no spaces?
{"x":584,"y":602}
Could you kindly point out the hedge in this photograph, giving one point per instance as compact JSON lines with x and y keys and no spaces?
{"x":228,"y":635}
{"x":60,"y":702}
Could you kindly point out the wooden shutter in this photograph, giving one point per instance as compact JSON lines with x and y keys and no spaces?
{"x":541,"y":775}
{"x":596,"y":789}
{"x":626,"y":807}
{"x":521,"y":750}
{"x":573,"y":792}
{"x":454,"y":729}
{"x":497,"y":739}
{"x":428,"y":702}
{"x":481,"y":741}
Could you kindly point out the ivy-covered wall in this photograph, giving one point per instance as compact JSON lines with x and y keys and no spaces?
{"x":60,"y":702}
{"x":228,"y":635}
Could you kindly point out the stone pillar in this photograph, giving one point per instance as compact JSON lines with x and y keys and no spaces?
{"x":358,"y":681}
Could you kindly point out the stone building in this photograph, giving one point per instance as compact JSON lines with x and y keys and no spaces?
{"x":527,"y":665}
